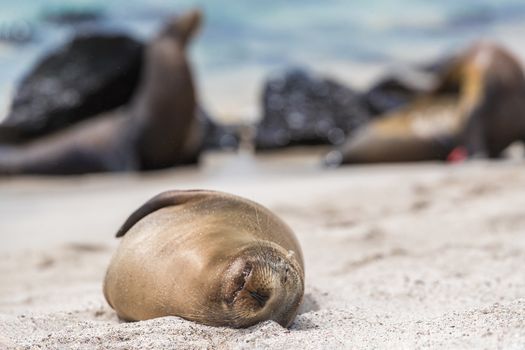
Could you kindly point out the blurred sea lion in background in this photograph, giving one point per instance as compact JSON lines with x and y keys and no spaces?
{"x":478,"y":104}
{"x":209,"y":257}
{"x":158,"y":129}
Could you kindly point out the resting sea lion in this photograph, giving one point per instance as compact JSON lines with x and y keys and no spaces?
{"x":158,"y":129}
{"x":209,"y":257}
{"x":479,"y":103}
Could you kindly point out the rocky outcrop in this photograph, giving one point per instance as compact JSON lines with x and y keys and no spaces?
{"x":300,"y":108}
{"x":391,"y":92}
{"x":89,"y":75}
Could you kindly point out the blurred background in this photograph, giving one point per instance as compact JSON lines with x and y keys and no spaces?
{"x":244,"y":41}
{"x":421,"y":255}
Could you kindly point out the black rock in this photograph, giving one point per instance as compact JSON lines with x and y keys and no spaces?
{"x":402,"y":87}
{"x":390,"y":93}
{"x":89,"y":75}
{"x":218,"y":136}
{"x":302,"y":109}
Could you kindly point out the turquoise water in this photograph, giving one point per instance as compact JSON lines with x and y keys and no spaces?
{"x":269,"y":35}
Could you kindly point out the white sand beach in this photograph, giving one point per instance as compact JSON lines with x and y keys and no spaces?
{"x":406,"y":256}
{"x":409,"y":256}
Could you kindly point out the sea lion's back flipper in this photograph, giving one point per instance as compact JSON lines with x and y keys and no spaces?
{"x":162,"y":200}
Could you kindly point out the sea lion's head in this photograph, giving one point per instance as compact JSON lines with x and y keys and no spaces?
{"x":183,"y":27}
{"x":260,"y":283}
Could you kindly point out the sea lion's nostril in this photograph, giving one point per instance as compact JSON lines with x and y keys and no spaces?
{"x":260,"y":298}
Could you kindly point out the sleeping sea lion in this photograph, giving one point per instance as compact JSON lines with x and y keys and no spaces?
{"x":209,"y":257}
{"x":478,"y":103}
{"x":158,"y":129}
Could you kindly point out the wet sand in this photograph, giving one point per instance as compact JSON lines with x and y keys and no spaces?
{"x":400,"y":256}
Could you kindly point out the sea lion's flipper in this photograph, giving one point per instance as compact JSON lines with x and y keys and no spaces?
{"x":185,"y":26}
{"x":162,"y":200}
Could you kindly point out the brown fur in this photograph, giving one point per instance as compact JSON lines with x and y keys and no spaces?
{"x":209,"y":257}
{"x":479,"y":103}
{"x":159,"y":129}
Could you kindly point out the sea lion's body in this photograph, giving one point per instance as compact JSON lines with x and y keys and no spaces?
{"x":422,"y":131}
{"x":158,"y":129}
{"x":479,"y":103}
{"x":209,"y":257}
{"x":96,"y":145}
{"x":496,"y":96}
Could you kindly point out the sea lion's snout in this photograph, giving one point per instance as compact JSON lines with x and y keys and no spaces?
{"x":269,"y":287}
{"x":250,"y":292}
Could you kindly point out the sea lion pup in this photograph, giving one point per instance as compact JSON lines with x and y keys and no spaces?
{"x":158,"y":129}
{"x":479,"y":103}
{"x":209,"y":257}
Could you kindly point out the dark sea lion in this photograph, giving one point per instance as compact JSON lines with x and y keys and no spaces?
{"x":158,"y":129}
{"x":209,"y":257}
{"x":478,"y":103}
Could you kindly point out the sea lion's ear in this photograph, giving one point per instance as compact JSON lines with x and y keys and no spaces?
{"x":162,"y":200}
